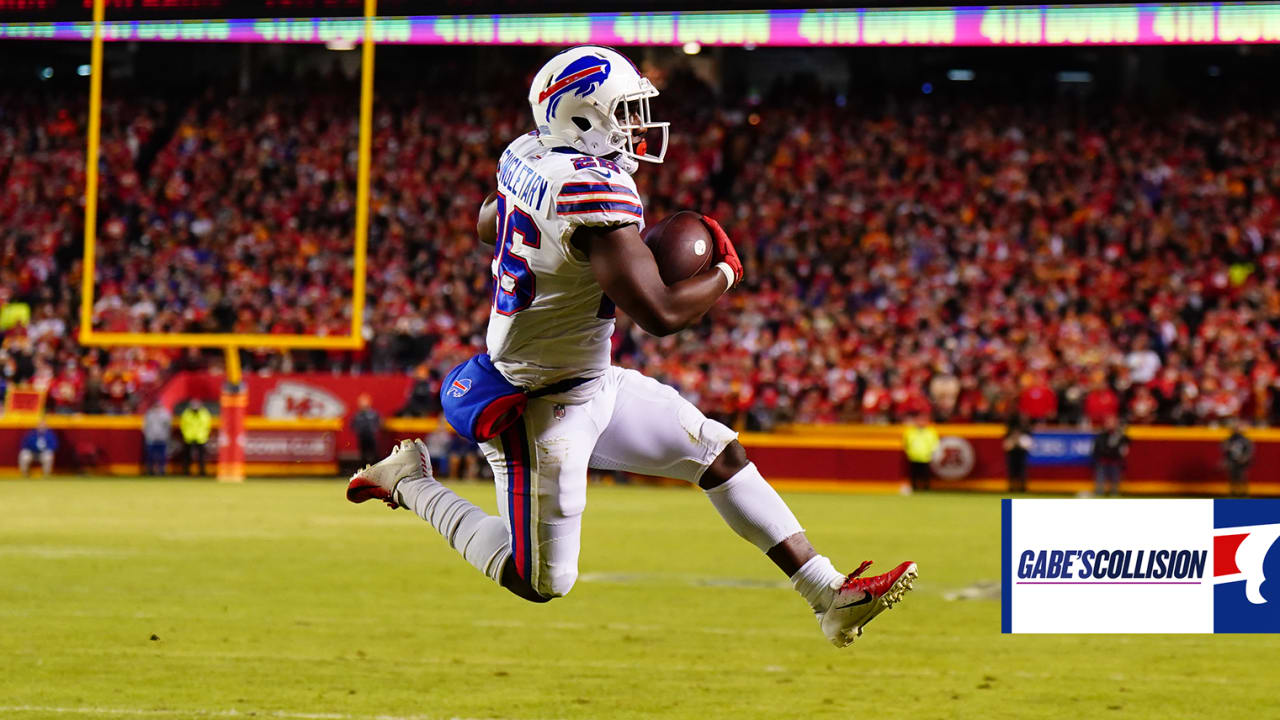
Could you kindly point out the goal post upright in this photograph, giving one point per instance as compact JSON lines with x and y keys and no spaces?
{"x":364,"y":150}
{"x":234,"y":397}
{"x":91,"y":171}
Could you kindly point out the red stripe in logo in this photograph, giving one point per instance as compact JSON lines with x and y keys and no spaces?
{"x":565,"y":82}
{"x":1224,"y":554}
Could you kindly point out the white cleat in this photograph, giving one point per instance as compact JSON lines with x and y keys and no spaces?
{"x":857,"y":600}
{"x":378,"y":481}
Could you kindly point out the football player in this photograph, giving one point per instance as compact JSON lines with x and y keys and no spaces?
{"x":565,"y":224}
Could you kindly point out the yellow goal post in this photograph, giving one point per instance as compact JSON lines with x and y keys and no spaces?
{"x":229,"y":341}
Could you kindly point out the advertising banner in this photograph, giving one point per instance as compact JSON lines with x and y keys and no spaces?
{"x":1061,"y":448}
{"x":1141,"y":566}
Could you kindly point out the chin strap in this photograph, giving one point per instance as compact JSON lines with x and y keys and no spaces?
{"x":626,"y":162}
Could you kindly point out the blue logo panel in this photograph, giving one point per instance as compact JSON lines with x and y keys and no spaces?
{"x":1246,"y":566}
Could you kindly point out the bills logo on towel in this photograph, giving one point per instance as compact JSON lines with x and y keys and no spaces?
{"x":459,"y":387}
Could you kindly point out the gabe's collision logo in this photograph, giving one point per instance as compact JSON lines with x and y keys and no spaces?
{"x":1116,"y":565}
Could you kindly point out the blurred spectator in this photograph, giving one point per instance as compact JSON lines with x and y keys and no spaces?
{"x":157,"y":426}
{"x":465,"y":460}
{"x":195,"y":424}
{"x":1237,"y":452}
{"x":13,"y":313}
{"x":453,"y":456}
{"x":1101,"y":404}
{"x":1110,"y":447}
{"x":438,"y":443}
{"x":41,"y":443}
{"x":920,"y":442}
{"x":1143,"y":362}
{"x":1037,"y":402}
{"x":424,"y":397}
{"x":1017,"y":449}
{"x":367,"y":425}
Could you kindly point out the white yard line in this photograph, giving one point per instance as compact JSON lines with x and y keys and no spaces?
{"x":209,"y":713}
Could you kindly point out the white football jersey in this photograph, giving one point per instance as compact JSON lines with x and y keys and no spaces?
{"x":549,"y":320}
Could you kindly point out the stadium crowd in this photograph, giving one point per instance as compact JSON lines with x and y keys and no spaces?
{"x":966,"y":262}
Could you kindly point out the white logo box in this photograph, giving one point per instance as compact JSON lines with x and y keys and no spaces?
{"x":1107,"y":605}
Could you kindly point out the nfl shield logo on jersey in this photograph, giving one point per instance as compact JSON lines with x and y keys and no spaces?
{"x":459,"y":387}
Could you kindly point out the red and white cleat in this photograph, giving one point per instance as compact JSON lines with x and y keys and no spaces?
{"x":857,"y":600}
{"x":378,"y":481}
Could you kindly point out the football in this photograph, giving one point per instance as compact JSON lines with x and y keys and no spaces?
{"x":682,"y":244}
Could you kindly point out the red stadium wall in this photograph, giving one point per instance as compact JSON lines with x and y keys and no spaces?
{"x":1161,"y":460}
{"x":298,"y":424}
{"x":112,"y":445}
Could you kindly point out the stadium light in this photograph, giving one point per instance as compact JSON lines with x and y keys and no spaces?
{"x":692,"y":48}
{"x":960,"y":75}
{"x":46,"y":73}
{"x":83,"y":71}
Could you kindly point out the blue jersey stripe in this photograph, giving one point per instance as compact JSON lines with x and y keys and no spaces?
{"x":583,"y":188}
{"x":577,"y":208}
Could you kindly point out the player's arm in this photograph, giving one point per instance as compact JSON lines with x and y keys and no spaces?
{"x":487,"y":221}
{"x":628,"y":274}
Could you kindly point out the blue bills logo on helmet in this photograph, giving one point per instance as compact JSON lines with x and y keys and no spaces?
{"x":580,"y":77}
{"x":458,"y":388}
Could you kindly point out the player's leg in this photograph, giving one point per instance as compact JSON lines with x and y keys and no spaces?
{"x":744,"y":499}
{"x":540,"y":478}
{"x":540,"y":467}
{"x":404,"y":479}
{"x":656,"y":432}
{"x":642,"y":438}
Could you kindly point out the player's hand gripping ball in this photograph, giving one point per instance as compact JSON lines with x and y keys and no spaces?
{"x":682,"y":244}
{"x":725,"y":252}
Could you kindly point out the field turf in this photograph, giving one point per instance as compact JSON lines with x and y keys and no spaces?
{"x":173,"y":599}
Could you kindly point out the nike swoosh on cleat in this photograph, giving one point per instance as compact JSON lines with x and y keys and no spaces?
{"x":865,"y":599}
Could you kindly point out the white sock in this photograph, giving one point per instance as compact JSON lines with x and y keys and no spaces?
{"x":481,"y":538}
{"x":753,"y":509}
{"x":815,"y":580}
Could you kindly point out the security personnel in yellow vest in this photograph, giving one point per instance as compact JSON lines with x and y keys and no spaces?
{"x":195,"y":423}
{"x":920,"y":441}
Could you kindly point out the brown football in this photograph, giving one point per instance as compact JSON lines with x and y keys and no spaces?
{"x":681,"y":244}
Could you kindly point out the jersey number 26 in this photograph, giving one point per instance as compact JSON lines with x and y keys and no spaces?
{"x":513,"y":281}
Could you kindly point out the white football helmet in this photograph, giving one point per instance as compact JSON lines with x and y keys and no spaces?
{"x":593,"y":99}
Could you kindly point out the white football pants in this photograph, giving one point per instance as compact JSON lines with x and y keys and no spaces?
{"x":634,"y":424}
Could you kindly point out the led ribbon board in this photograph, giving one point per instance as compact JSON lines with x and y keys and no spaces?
{"x":1042,"y":25}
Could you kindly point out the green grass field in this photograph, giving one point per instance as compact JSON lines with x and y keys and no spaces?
{"x":167,"y":599}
